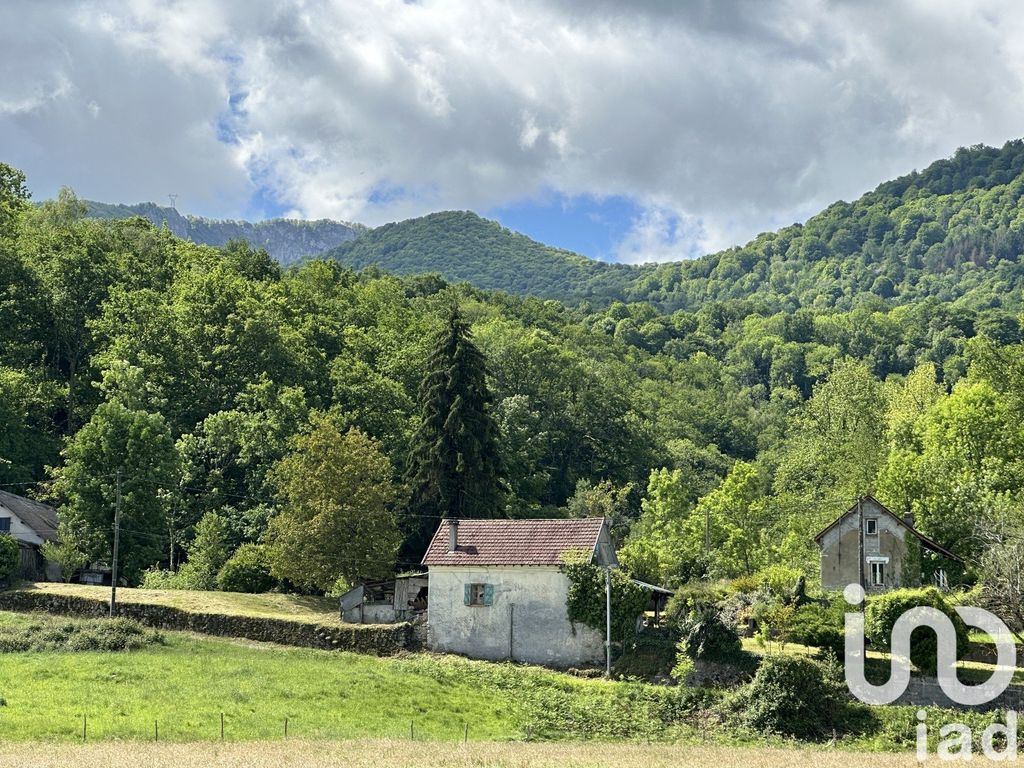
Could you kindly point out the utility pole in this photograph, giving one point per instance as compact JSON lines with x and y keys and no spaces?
{"x":707,"y":532}
{"x":117,"y":544}
{"x":860,"y":540}
{"x":607,"y":621}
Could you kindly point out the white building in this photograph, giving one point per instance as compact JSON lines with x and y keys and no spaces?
{"x":497,"y":592}
{"x":32,"y":523}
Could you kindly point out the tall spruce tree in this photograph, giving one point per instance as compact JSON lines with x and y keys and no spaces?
{"x":455,"y":467}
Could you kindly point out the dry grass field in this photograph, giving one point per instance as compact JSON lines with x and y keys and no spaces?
{"x":321,"y":610}
{"x":407,"y":754}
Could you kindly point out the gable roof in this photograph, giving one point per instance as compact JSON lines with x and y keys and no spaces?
{"x":41,"y":518}
{"x":928,"y":543}
{"x":514,"y":542}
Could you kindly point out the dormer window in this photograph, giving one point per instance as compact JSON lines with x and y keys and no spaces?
{"x":871,"y":526}
{"x":5,"y":525}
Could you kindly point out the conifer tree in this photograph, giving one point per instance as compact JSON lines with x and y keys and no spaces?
{"x":455,"y":468}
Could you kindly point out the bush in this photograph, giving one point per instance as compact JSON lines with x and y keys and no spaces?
{"x":188,"y":577}
{"x":882,"y":612}
{"x":692,"y":598}
{"x":9,"y":555}
{"x":247,"y":570}
{"x":819,"y":626}
{"x":77,"y":635}
{"x":792,"y":696}
{"x":586,"y":600}
{"x":777,"y":579}
{"x":706,"y":637}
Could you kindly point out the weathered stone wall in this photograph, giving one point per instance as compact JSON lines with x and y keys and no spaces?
{"x":527,"y":620}
{"x":377,"y":639}
{"x":925,"y":692}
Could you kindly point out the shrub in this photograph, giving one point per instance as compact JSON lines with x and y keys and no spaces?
{"x":706,"y":637}
{"x":792,"y":696}
{"x":9,"y":555}
{"x":819,"y":626}
{"x":188,"y":577}
{"x":777,"y":579}
{"x":882,"y":612}
{"x":691,"y":598}
{"x":77,"y":635}
{"x":247,"y":570}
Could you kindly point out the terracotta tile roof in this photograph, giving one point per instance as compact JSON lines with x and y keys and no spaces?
{"x":513,"y":542}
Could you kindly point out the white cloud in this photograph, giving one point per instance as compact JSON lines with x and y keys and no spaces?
{"x":722,"y":119}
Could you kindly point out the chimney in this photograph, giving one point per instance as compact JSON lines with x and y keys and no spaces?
{"x":453,"y":535}
{"x":909,"y":519}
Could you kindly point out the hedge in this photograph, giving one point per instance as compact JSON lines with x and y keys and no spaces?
{"x":376,"y":639}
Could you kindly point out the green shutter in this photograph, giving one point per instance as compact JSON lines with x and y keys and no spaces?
{"x":488,"y":594}
{"x":467,"y":593}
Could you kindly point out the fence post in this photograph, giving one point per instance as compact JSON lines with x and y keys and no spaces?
{"x":222,"y":726}
{"x":465,"y":737}
{"x":156,"y":731}
{"x":85,"y":727}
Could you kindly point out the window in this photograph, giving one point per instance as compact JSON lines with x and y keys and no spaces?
{"x":5,"y":524}
{"x":878,"y":574}
{"x":871,"y":526}
{"x":479,"y":594}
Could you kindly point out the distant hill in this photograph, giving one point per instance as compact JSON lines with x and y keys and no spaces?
{"x":462,"y":246}
{"x":287,"y":240}
{"x":953,"y":232}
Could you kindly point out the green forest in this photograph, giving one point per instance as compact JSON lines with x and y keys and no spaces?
{"x":308,"y":426}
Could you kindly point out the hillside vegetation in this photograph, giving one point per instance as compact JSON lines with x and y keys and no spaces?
{"x":461,"y":246}
{"x":951,"y":232}
{"x":287,"y":240}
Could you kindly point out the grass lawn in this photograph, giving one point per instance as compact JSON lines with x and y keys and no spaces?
{"x":320,"y":610}
{"x":407,"y":754}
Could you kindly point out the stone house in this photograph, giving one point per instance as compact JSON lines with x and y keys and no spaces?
{"x":497,"y":590}
{"x":32,"y":523}
{"x":873,"y":547}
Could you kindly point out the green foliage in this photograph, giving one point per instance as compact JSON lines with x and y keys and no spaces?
{"x":793,"y":696}
{"x":455,"y":466}
{"x":706,"y":637}
{"x":587,"y":599}
{"x":247,"y":570}
{"x":338,"y":516}
{"x":882,"y":612}
{"x":76,"y":635}
{"x":10,"y":554}
{"x":64,"y":552}
{"x":208,"y":552}
{"x":819,"y":626}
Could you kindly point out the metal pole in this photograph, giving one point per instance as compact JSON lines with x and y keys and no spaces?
{"x":860,"y":524}
{"x":607,"y":621}
{"x":117,"y":544}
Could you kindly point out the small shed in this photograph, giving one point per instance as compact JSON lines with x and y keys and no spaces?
{"x":386,"y":602}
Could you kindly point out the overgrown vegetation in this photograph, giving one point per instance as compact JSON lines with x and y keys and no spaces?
{"x":75,"y":635}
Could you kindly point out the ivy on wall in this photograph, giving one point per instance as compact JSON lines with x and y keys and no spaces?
{"x":586,"y":601}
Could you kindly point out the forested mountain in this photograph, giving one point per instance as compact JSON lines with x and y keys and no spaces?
{"x":719,"y":435}
{"x":952,"y":232}
{"x":287,"y":240}
{"x":461,"y":246}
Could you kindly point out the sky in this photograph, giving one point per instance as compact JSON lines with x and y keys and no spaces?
{"x":653,"y":130}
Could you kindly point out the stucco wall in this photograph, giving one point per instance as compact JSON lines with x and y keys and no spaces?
{"x":528,"y":616}
{"x":840,"y":552}
{"x":19,"y":530}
